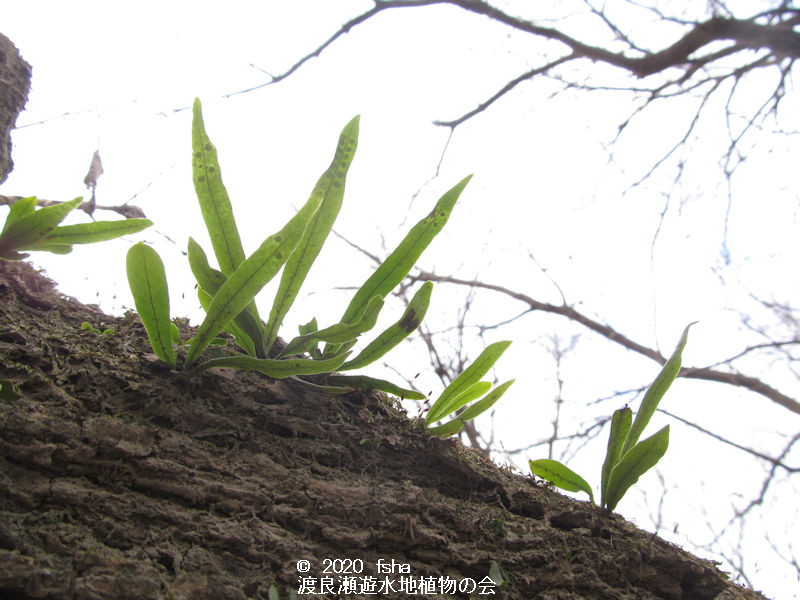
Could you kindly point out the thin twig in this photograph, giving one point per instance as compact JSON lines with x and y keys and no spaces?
{"x":126,"y":210}
{"x":737,"y":379}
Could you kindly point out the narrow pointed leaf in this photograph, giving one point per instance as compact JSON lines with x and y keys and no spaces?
{"x":32,"y":227}
{"x":471,"y":375}
{"x":362,"y":382}
{"x":148,"y":284}
{"x":310,"y":327}
{"x":656,"y":392}
{"x":634,"y":463}
{"x":330,"y":188}
{"x":340,"y":333}
{"x":20,"y":208}
{"x":253,"y":274}
{"x":243,"y":340}
{"x":246,"y":323}
{"x":560,"y":476}
{"x":477,"y":390}
{"x":486,"y":402}
{"x":325,"y":389}
{"x":277,"y":369}
{"x":54,"y":248}
{"x":346,"y":346}
{"x":215,"y":204}
{"x":448,"y":429}
{"x":207,"y":277}
{"x":398,"y":264}
{"x":174,"y":333}
{"x":396,"y":333}
{"x":620,"y":426}
{"x":97,"y":231}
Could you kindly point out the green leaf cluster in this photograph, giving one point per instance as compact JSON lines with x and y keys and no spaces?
{"x":627,"y":458}
{"x":27,"y":229}
{"x":89,"y":328}
{"x":227,"y":293}
{"x":466,"y":388}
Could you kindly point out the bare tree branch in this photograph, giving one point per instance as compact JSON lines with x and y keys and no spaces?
{"x":700,"y":56}
{"x":504,"y":90}
{"x":774,"y":461}
{"x":344,"y":29}
{"x":779,"y":38}
{"x":737,"y":379}
{"x":771,"y":31}
{"x":126,"y":210}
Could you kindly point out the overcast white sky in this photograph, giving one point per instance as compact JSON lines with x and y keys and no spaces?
{"x":115,"y":78}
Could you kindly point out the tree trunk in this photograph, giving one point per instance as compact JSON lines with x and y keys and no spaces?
{"x":122,"y":479}
{"x":15,"y":83}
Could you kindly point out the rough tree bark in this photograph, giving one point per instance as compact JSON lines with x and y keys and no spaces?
{"x":15,"y":83}
{"x":121,"y":479}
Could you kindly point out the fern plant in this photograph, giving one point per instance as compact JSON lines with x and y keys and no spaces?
{"x":627,"y":458}
{"x":27,"y":229}
{"x":227,"y":292}
{"x":466,"y":388}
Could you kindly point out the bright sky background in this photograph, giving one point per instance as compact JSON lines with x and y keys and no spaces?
{"x":545,"y":186}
